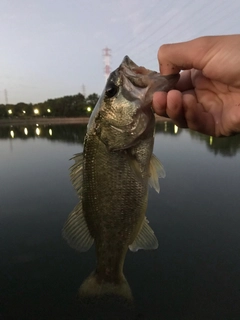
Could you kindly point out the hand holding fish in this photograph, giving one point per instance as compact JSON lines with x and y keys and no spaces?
{"x":207,"y":96}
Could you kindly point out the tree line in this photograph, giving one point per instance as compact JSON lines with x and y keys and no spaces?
{"x":67,"y":106}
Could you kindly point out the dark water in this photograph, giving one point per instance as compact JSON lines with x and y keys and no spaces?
{"x":194,"y":274}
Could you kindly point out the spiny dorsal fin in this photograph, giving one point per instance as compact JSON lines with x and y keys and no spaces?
{"x":145,"y":239}
{"x":76,"y":172}
{"x":75,"y":230}
{"x":156,"y":171}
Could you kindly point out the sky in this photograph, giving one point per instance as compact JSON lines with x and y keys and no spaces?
{"x":54,"y":48}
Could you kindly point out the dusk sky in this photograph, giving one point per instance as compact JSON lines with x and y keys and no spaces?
{"x":51,"y":48}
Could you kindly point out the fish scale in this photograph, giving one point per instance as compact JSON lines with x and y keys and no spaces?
{"x":112,"y":176}
{"x":118,"y":197}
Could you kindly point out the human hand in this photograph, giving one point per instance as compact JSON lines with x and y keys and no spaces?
{"x":207,"y":96}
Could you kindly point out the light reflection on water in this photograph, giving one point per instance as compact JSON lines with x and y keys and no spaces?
{"x":194,"y":274}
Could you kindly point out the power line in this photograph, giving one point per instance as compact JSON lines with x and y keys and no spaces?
{"x":219,"y":19}
{"x":176,"y":27}
{"x":155,"y":30}
{"x":181,"y":31}
{"x":191,"y":24}
{"x":134,"y":37}
{"x":123,"y":47}
{"x":213,"y":22}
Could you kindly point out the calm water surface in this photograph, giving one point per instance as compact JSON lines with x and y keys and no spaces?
{"x":194,"y":274}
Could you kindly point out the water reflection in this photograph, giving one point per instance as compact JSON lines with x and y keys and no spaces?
{"x":226,"y":146}
{"x":108,"y":308}
{"x":193,"y":275}
{"x":167,"y":127}
{"x":68,"y":133}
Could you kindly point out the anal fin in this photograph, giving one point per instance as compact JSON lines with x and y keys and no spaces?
{"x":156,"y":171}
{"x":145,"y":239}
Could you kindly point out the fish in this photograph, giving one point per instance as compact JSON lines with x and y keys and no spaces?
{"x":111,"y":177}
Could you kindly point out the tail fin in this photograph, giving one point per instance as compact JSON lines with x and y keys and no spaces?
{"x":92,"y":287}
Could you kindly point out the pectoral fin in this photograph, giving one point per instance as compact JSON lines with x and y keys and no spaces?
{"x":75,"y":230}
{"x":76,"y":172}
{"x":156,"y":171}
{"x":145,"y":239}
{"x":135,"y":167}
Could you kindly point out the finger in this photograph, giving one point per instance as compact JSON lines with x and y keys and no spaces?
{"x":160,"y":103}
{"x":231,"y":120}
{"x":196,"y":117}
{"x":175,"y":109}
{"x":184,"y":55}
{"x":160,"y":98}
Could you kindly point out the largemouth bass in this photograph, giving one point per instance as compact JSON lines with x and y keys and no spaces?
{"x":112,"y":174}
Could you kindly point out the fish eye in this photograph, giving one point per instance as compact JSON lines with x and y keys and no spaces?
{"x":111,"y":90}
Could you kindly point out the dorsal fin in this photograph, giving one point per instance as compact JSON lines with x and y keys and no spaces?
{"x":76,"y":172}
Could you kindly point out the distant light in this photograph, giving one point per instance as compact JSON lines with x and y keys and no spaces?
{"x":36,"y":111}
{"x":38,"y":131}
{"x":48,"y":110}
{"x":89,"y":109}
{"x":12,"y":133}
{"x":24,"y":111}
{"x":165,"y":126}
{"x":26,"y":131}
{"x":36,"y":124}
{"x":9,"y":111}
{"x":210,"y":140}
{"x":175,"y":129}
{"x":50,"y":132}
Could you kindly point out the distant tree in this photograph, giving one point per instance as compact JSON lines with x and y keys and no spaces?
{"x":22,"y":109}
{"x":67,"y":106}
{"x":3,"y":111}
{"x":92,"y":99}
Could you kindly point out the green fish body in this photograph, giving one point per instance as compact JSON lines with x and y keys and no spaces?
{"x":112,"y":175}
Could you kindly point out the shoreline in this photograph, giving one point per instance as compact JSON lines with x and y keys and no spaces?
{"x":55,"y":121}
{"x":49,"y":121}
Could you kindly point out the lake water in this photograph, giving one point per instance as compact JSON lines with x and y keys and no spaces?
{"x":195,"y":272}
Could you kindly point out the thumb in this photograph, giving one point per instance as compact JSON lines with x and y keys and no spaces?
{"x":184,"y":55}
